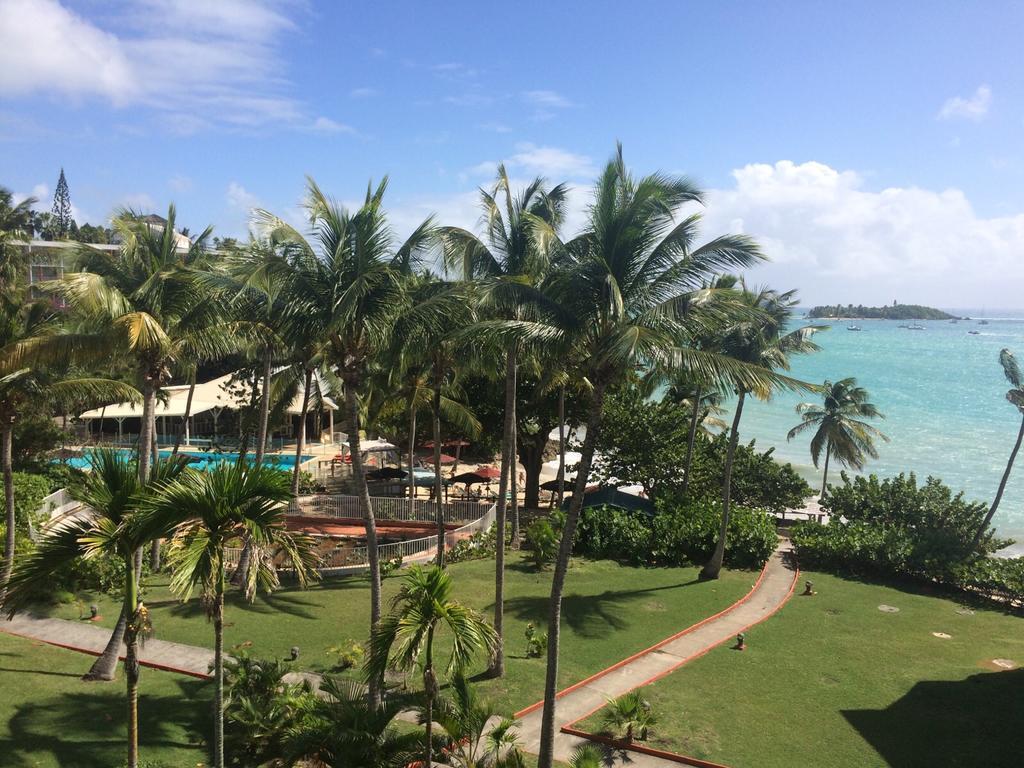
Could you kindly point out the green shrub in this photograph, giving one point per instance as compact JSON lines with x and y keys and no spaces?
{"x":542,"y":541}
{"x":387,"y":567}
{"x":479,"y":546}
{"x":348,"y":655}
{"x":536,"y":642}
{"x":612,"y":533}
{"x":687,"y":533}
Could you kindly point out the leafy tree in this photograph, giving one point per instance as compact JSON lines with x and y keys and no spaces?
{"x":113,"y":491}
{"x":762,"y":341}
{"x":15,"y":225}
{"x":405,"y":639}
{"x":641,"y":442}
{"x":1015,"y":396}
{"x":208,"y":510}
{"x":839,"y":426}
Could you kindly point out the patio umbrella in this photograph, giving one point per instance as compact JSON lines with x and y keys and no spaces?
{"x":445,"y":459}
{"x":491,"y":473}
{"x":469,"y":478}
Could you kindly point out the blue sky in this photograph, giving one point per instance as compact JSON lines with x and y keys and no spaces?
{"x":873,"y":148}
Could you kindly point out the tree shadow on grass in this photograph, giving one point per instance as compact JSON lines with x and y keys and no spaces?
{"x":588,"y":616}
{"x":86,"y":727}
{"x":289,"y":603}
{"x":975,"y":721}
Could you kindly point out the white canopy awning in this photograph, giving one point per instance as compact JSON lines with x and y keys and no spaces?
{"x":208,"y":396}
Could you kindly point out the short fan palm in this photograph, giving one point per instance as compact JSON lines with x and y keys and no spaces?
{"x":840,"y":431}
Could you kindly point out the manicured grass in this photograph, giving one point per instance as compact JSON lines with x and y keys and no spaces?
{"x":609,"y":612}
{"x":831,"y":681}
{"x":49,"y":717}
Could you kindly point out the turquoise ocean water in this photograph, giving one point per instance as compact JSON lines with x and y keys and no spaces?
{"x":943,"y":395}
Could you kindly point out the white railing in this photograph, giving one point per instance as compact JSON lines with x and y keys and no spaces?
{"x":387,"y":508}
{"x":54,"y":507}
{"x":410,"y":549}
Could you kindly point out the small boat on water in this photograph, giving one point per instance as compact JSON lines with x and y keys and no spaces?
{"x":853,"y":328}
{"x":983,"y":322}
{"x":916,"y":327}
{"x":974,"y":333}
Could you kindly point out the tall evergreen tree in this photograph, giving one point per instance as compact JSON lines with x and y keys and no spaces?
{"x":62,"y":219}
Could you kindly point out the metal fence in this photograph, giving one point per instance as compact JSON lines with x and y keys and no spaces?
{"x":387,"y":508}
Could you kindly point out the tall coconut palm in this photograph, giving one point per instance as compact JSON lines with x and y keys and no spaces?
{"x":839,"y":427}
{"x":614,"y":294}
{"x":113,"y":493}
{"x":1015,"y":396}
{"x":405,"y":638}
{"x":15,"y":225}
{"x":208,"y":512}
{"x":509,"y":262}
{"x":763,"y":342}
{"x":25,"y":383}
{"x":349,"y":275}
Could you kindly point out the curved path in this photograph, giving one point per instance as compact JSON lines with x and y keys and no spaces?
{"x":773,"y":589}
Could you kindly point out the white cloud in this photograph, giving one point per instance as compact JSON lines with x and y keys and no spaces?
{"x":551,"y":162}
{"x":41,"y":192}
{"x":836,"y":240}
{"x":547,"y":99}
{"x":326,"y":125}
{"x":184,"y":58}
{"x":974,"y":107}
{"x":362,"y":93}
{"x":179,"y":183}
{"x":495,"y":127}
{"x":140,"y":202}
{"x":240,"y":198}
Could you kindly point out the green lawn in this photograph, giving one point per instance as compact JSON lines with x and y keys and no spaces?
{"x":830,"y":681}
{"x":49,"y":717}
{"x":610,"y":611}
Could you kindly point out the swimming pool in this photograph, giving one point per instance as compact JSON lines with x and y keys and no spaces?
{"x":201,"y":460}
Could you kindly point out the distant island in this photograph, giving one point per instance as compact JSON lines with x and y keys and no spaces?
{"x":895,"y":312}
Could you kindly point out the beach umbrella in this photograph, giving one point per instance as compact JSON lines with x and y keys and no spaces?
{"x":445,"y":459}
{"x":491,"y":473}
{"x":469,"y":478}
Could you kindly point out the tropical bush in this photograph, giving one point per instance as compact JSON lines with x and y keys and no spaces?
{"x":679,"y":533}
{"x":686,"y":533}
{"x":897,"y":528}
{"x":348,"y":655}
{"x":542,"y":540}
{"x":536,"y":642}
{"x":29,"y":491}
{"x":758,"y":480}
{"x":629,"y":715}
{"x":479,"y":546}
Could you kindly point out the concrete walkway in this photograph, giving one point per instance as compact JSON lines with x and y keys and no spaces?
{"x":582,"y":699}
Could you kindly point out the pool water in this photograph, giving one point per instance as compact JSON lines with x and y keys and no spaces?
{"x":201,"y":460}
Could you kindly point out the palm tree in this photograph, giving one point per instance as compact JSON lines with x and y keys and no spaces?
{"x":761,"y":341}
{"x":15,"y":225}
{"x":340,"y":729}
{"x":472,"y":738}
{"x":25,"y":383}
{"x":208,"y":511}
{"x":350,"y":276}
{"x":612,"y":300}
{"x":113,"y":492}
{"x":839,"y":426}
{"x":1015,"y":395}
{"x":509,"y":262}
{"x":588,"y":755}
{"x":631,"y":714}
{"x":421,"y":608}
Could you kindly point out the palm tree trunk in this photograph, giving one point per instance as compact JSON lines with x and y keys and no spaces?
{"x":218,"y":670}
{"x":430,"y":689}
{"x":261,"y":437}
{"x":412,"y":451}
{"x":561,"y":444}
{"x":692,"y":439}
{"x":105,"y":666}
{"x":363,"y":494}
{"x":146,"y":430}
{"x":185,"y":418}
{"x":714,"y":565}
{"x":497,"y":668}
{"x":438,"y":479}
{"x":1002,"y":487}
{"x":8,"y":471}
{"x":513,"y":481}
{"x":301,"y":443}
{"x":824,"y":476}
{"x":547,"y":733}
{"x":131,"y":660}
